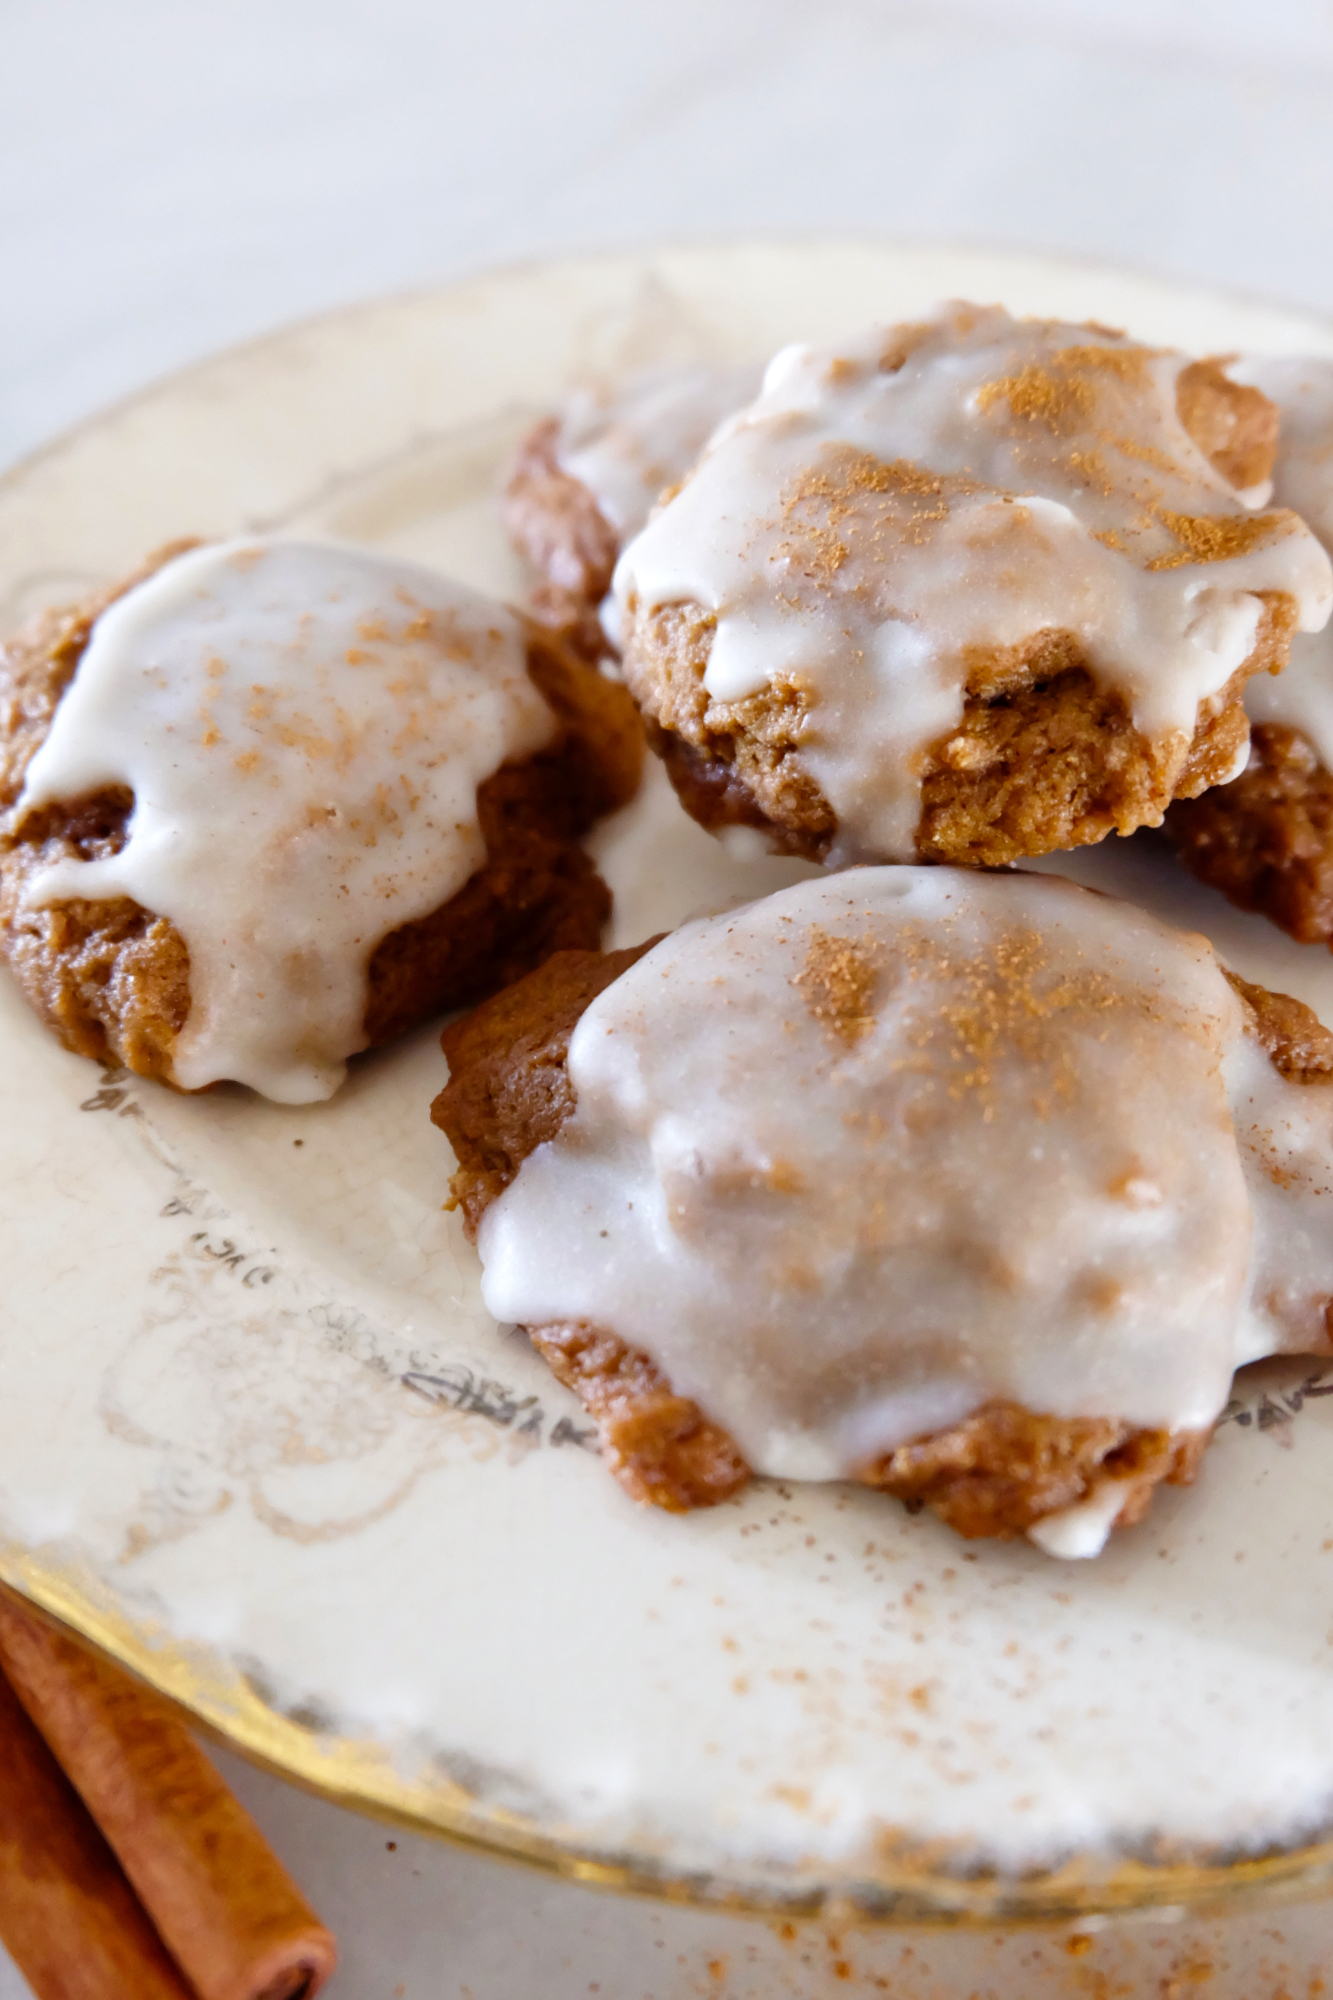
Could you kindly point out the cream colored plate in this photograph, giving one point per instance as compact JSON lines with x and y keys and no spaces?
{"x":259,"y":1438}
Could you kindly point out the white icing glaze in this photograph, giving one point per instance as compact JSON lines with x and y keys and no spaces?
{"x":1302,"y":696}
{"x":864,"y":530}
{"x":1285,"y":1133}
{"x":1285,"y":1130}
{"x":627,"y":444}
{"x":844,"y":1208}
{"x":1081,"y":1531}
{"x":304,"y":728}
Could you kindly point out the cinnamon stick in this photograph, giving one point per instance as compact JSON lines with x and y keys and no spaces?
{"x":226,"y":1909}
{"x":68,"y":1917}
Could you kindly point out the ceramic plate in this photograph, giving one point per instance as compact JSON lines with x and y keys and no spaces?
{"x":259,"y":1438}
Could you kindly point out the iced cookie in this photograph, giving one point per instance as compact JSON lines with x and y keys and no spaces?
{"x":872,"y":1180}
{"x":269,"y":803}
{"x":966,"y":590}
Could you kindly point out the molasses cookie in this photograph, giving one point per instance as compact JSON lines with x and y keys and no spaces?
{"x":267,"y":803}
{"x":966,"y":590}
{"x":586,"y":480}
{"x":871,"y":1180}
{"x":1266,"y":839}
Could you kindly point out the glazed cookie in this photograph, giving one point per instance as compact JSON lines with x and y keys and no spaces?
{"x":870,"y":1180}
{"x":1266,"y":839}
{"x":268,"y":803}
{"x":966,"y":590}
{"x":586,"y":480}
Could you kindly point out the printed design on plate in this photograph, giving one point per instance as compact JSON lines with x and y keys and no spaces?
{"x":1269,"y":1395}
{"x":249,"y":1391}
{"x":458,"y":1388}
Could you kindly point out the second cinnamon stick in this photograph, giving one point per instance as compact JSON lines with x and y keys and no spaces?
{"x":68,"y":1917}
{"x":228,"y":1912}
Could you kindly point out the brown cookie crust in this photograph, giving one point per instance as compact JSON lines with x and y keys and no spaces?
{"x":106,"y":976}
{"x":1298,"y":1043}
{"x":1266,"y":839}
{"x":995,"y":1474}
{"x":109,"y":978}
{"x":508,"y":1091}
{"x":1234,"y":426}
{"x":713,"y":794}
{"x":720,"y":754}
{"x":554,"y":520}
{"x":1044,"y":758}
{"x":112,"y":979}
{"x":660,"y":1446}
{"x":537,"y":891}
{"x":1005,"y":1467}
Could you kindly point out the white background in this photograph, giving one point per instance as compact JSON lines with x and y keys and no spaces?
{"x":175,"y":177}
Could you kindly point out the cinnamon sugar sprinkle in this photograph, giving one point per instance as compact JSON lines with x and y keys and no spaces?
{"x":1061,"y":402}
{"x":1002,"y":1005}
{"x":838,"y":982}
{"x":904,"y":497}
{"x":1217,"y":537}
{"x":1059,"y":395}
{"x":1129,"y":363}
{"x":827,"y":518}
{"x":1006,"y":1006}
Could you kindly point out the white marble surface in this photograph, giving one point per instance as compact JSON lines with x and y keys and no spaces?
{"x":173,"y":179}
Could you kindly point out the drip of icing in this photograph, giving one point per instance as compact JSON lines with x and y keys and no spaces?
{"x":895,"y":511}
{"x":1285,"y":1131}
{"x":1081,"y":1531}
{"x":852,"y":1161}
{"x":628,"y":445}
{"x":303,"y":728}
{"x":1301,"y":697}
